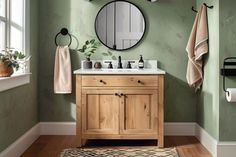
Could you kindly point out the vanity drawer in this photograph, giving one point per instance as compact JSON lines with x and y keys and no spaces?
{"x":119,"y":80}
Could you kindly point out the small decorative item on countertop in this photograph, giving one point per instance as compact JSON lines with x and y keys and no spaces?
{"x":10,"y":59}
{"x":87,"y":64}
{"x":141,"y":62}
{"x":97,"y":65}
{"x":88,"y":49}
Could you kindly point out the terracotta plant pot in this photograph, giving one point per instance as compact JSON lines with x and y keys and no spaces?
{"x":5,"y":69}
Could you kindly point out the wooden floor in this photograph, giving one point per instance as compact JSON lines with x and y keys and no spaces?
{"x":51,"y":146}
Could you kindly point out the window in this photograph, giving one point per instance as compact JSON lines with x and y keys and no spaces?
{"x":13,"y":26}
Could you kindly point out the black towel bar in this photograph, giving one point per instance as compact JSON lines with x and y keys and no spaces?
{"x":64,"y":32}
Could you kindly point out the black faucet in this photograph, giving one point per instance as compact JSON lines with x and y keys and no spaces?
{"x":119,"y":63}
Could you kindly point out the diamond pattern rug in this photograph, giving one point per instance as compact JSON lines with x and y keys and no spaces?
{"x":119,"y":152}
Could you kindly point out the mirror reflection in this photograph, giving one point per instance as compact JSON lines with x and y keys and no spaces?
{"x":120,"y":25}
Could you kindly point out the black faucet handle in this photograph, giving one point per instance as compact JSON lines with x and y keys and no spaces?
{"x":110,"y":66}
{"x":129,"y":66}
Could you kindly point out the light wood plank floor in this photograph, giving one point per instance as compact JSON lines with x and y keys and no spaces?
{"x":51,"y":146}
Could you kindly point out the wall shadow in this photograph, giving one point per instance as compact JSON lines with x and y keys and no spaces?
{"x":180,"y":100}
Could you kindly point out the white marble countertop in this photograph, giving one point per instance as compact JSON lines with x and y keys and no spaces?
{"x":120,"y":71}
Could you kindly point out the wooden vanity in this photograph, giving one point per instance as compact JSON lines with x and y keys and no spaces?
{"x":120,"y":107}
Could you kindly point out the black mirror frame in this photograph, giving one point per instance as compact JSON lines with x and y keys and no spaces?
{"x":143,"y":19}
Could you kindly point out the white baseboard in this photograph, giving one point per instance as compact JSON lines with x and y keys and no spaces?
{"x":226,"y":149}
{"x":206,"y":140}
{"x":23,"y":143}
{"x":57,"y":128}
{"x":217,"y":149}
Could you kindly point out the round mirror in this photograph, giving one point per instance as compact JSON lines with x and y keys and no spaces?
{"x":120,"y":25}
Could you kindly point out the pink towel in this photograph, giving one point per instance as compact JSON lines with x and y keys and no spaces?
{"x":196,"y":48}
{"x":62,"y":71}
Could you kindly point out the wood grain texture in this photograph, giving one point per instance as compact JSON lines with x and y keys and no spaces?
{"x":122,"y":107}
{"x":78,"y":110}
{"x":51,"y":146}
{"x":119,"y":81}
{"x":140,"y":112}
{"x":161,"y":111}
{"x":100,"y":112}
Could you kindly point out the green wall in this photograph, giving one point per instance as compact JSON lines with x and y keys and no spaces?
{"x":215,"y":114}
{"x":18,"y":106}
{"x":168,"y":27}
{"x":208,"y":100}
{"x":227,"y":49}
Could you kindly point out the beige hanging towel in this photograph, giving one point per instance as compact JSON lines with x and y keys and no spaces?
{"x":196,"y":48}
{"x":62,"y":71}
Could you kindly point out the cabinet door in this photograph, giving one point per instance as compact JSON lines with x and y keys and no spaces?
{"x":139,"y":110}
{"x":100,"y":112}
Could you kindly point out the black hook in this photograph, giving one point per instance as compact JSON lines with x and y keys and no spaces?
{"x":210,"y":7}
{"x":64,"y":32}
{"x":194,"y":9}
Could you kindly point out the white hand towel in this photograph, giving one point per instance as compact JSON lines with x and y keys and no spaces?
{"x":62,"y":71}
{"x":196,"y":48}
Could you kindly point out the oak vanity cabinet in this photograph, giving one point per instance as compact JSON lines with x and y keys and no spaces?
{"x":119,"y":107}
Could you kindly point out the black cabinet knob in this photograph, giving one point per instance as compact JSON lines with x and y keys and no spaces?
{"x":101,"y":81}
{"x":121,"y":94}
{"x":116,"y":94}
{"x":139,"y":81}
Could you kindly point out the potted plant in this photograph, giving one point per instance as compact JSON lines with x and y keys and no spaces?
{"x":88,"y":49}
{"x":11,"y":59}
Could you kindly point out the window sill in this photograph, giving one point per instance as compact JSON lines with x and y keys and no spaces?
{"x":14,"y":81}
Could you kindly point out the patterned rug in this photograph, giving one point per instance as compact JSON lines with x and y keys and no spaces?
{"x":119,"y":152}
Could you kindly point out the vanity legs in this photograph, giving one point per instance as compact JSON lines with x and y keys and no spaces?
{"x":161,"y":112}
{"x":78,"y":111}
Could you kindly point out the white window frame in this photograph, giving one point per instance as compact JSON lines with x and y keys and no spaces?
{"x":23,"y":78}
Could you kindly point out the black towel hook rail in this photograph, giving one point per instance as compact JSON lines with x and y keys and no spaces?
{"x":64,"y":32}
{"x":210,"y":7}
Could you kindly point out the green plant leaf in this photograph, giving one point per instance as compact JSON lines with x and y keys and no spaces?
{"x":87,"y":42}
{"x":81,"y":50}
{"x":105,"y":54}
{"x":114,"y":58}
{"x":109,"y":52}
{"x":84,"y":47}
{"x":92,"y":41}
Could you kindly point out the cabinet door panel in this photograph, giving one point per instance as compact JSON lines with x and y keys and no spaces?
{"x":109,"y":109}
{"x":100,"y":112}
{"x":93,"y":112}
{"x":140,"y":110}
{"x":137,"y":112}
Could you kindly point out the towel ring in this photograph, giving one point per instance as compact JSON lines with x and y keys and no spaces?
{"x":64,"y":32}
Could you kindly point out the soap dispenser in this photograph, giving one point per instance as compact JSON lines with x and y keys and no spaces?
{"x":141,"y":62}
